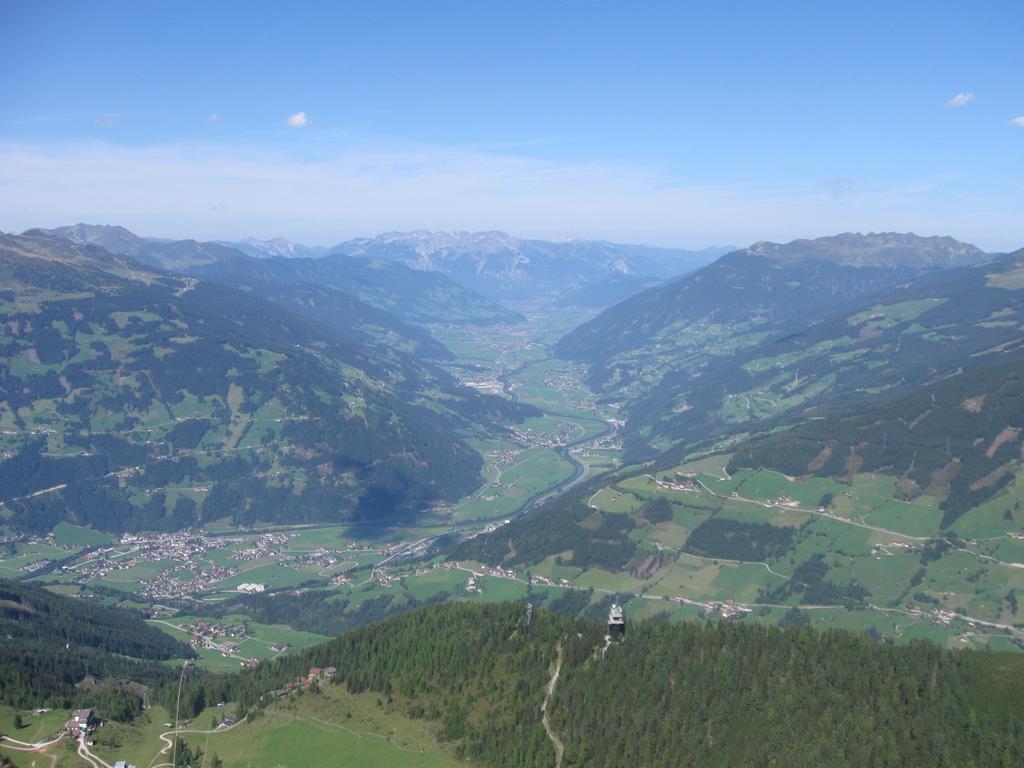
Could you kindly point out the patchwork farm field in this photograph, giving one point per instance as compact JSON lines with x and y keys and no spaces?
{"x":849,"y":555}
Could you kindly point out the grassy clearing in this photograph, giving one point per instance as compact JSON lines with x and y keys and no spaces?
{"x":34,"y":727}
{"x":66,"y":534}
{"x":331,"y":729}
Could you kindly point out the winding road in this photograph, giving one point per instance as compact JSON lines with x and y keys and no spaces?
{"x":166,"y":738}
{"x":557,"y":742}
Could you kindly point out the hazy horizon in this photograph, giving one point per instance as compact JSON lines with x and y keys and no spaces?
{"x":681,"y":126}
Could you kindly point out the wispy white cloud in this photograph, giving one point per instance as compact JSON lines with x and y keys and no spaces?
{"x":1018,"y":121}
{"x":837,"y":187}
{"x":960,"y":100}
{"x":324,"y":193}
{"x":213,"y":118}
{"x":298,"y":120}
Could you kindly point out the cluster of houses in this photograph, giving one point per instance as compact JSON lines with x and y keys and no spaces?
{"x":475,"y":583}
{"x":567,"y":382}
{"x":551,"y":582}
{"x":313,"y":678}
{"x":192,"y":572}
{"x":36,"y":566}
{"x":608,"y":442}
{"x":266,"y":545}
{"x":681,"y":483}
{"x":532,"y":438}
{"x":727,"y":609}
{"x":206,"y":633}
{"x":385,"y":578}
{"x":937,"y":615}
{"x":883,"y":549}
{"x":504,"y":457}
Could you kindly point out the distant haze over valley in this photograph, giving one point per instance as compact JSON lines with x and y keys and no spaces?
{"x":495,"y":264}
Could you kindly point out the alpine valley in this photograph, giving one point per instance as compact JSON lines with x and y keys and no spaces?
{"x":398,"y":499}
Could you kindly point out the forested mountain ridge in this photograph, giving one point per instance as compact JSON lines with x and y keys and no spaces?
{"x":957,"y":440}
{"x":506,"y":267}
{"x":743,"y":290}
{"x":148,"y":401}
{"x":733,"y":694}
{"x":173,"y":255}
{"x":52,"y":642}
{"x":316,"y":300}
{"x":408,"y":294}
{"x":411,"y":295}
{"x":31,"y":612}
{"x":340,"y":311}
{"x":40,"y":255}
{"x":932,"y":326}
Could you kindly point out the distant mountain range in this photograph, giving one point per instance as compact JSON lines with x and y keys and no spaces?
{"x":505,"y":267}
{"x":410,"y":295}
{"x":264,"y":267}
{"x":173,"y":255}
{"x":275,"y":247}
{"x":590,"y":273}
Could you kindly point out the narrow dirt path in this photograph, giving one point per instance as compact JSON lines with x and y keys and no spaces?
{"x":559,"y":747}
{"x":89,"y":757}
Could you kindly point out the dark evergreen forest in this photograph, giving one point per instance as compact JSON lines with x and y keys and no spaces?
{"x":691,"y":694}
{"x":51,"y":643}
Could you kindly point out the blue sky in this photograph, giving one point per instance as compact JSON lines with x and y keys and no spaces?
{"x":677,"y":123}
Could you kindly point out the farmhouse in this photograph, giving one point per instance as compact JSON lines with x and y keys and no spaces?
{"x":82,"y":721}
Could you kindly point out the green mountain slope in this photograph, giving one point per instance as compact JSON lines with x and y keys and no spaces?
{"x":902,"y":513}
{"x":764,"y":282}
{"x":409,"y":294}
{"x":279,"y":281}
{"x":173,"y":255}
{"x":957,"y":440}
{"x":133,"y":399}
{"x":669,"y":695}
{"x":933,"y":326}
{"x":663,"y":338}
{"x":342,"y":312}
{"x":52,"y":642}
{"x":412,"y":295}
